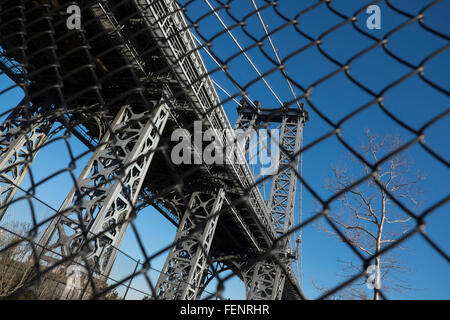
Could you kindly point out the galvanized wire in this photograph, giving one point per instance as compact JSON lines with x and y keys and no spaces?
{"x":33,"y":58}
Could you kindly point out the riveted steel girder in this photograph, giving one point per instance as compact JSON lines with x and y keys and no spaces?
{"x":266,"y":279}
{"x":22,"y":134}
{"x":95,"y":214}
{"x":184,"y":271}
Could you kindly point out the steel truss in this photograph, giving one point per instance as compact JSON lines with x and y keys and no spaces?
{"x":186,"y":266}
{"x":168,"y":26}
{"x":22,"y":134}
{"x":213,"y":271}
{"x":266,"y":279}
{"x":246,"y":123}
{"x":282,"y":194}
{"x":95,"y":214}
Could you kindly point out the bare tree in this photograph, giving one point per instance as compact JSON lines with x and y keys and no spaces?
{"x":367,"y":216}
{"x":15,"y":265}
{"x":17,"y":268}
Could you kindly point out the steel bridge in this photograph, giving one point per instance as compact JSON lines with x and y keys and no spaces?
{"x":122,"y":84}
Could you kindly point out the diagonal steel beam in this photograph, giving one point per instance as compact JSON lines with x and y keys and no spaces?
{"x":106,"y":192}
{"x":266,"y":279}
{"x":22,"y":134}
{"x":184,"y":271}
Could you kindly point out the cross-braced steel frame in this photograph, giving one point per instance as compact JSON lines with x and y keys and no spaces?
{"x":95,"y":214}
{"x":265,"y":280}
{"x":22,"y":134}
{"x":186,"y":265}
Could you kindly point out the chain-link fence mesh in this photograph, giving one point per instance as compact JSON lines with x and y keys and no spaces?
{"x":89,"y":111}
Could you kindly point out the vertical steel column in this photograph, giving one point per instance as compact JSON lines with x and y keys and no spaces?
{"x":183,"y":272}
{"x":21,"y":135}
{"x":106,"y":191}
{"x":246,"y":123}
{"x":246,"y":120}
{"x":283,"y":188}
{"x":267,"y":279}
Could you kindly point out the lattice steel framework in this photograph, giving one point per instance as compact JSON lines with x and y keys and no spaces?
{"x":22,"y":134}
{"x":246,"y":123}
{"x":186,"y":266}
{"x":108,"y":189}
{"x":266,"y":279}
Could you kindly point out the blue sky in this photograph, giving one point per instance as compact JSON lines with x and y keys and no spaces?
{"x":412,"y":101}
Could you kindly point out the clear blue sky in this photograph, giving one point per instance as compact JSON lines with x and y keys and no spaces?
{"x":413,"y":101}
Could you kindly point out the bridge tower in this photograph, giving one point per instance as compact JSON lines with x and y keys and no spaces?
{"x":265,"y":279}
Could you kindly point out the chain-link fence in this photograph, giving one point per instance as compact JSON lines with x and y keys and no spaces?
{"x":105,"y":193}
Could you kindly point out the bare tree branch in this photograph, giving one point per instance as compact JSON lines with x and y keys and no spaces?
{"x":368,"y":217}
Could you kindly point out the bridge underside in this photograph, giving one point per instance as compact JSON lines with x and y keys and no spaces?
{"x":89,"y":75}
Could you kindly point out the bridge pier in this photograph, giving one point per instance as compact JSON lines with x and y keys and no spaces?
{"x":265,"y":281}
{"x":23,"y":132}
{"x":186,"y":264}
{"x":95,"y":214}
